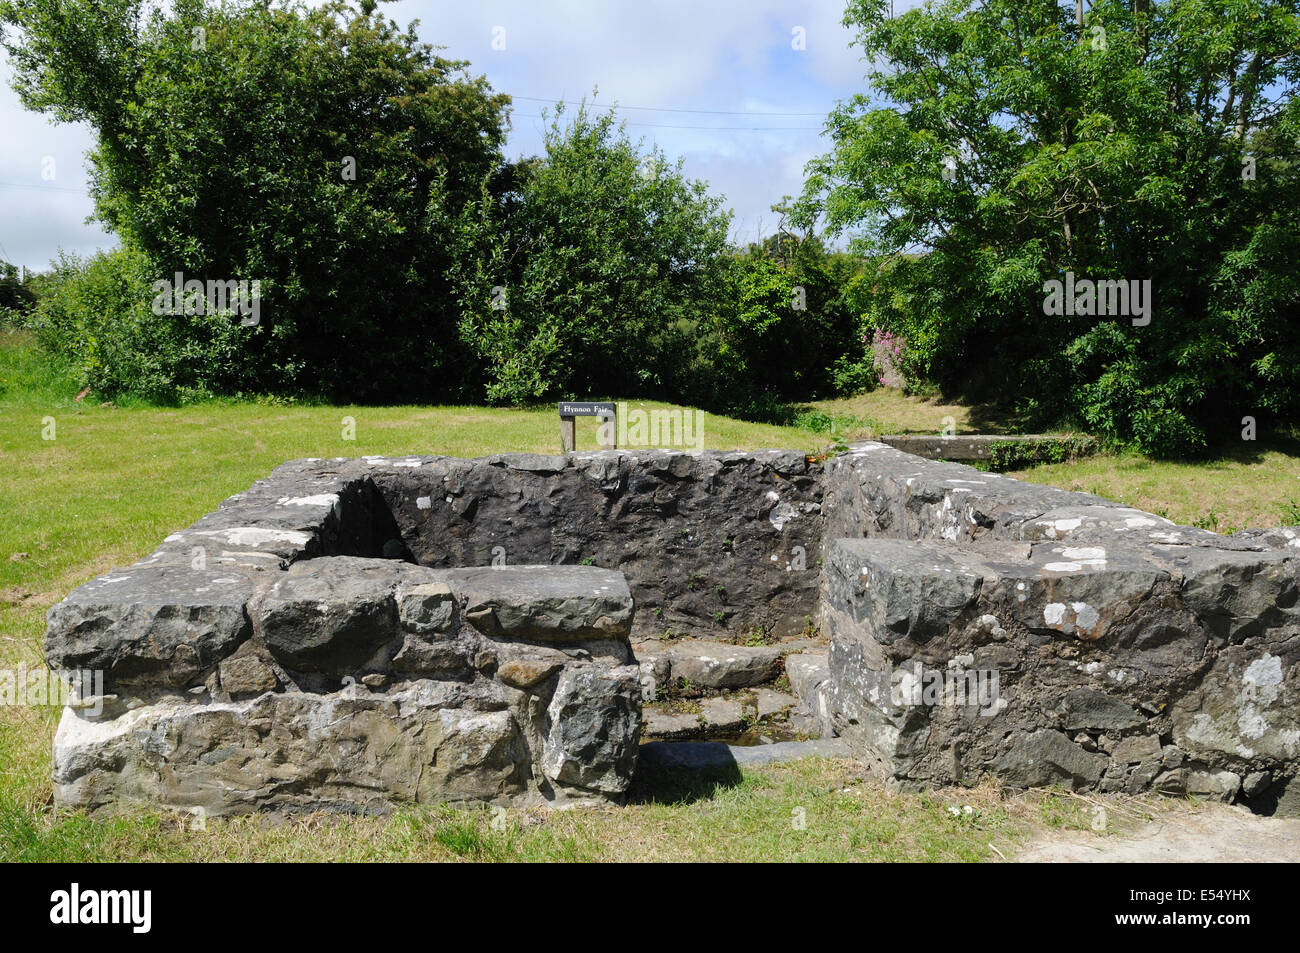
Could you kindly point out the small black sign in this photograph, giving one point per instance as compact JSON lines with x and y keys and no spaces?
{"x":586,"y":408}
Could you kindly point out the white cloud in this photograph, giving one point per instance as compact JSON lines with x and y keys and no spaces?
{"x":723,"y":55}
{"x":39,"y":214}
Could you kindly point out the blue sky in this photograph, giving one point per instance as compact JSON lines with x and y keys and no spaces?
{"x":735,"y":57}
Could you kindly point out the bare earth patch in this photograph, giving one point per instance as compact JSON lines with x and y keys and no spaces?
{"x":1208,"y":833}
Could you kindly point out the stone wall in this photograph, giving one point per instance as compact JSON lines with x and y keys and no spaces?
{"x":710,"y":542}
{"x":351,"y":683}
{"x":357,"y":634}
{"x":1130,"y":653}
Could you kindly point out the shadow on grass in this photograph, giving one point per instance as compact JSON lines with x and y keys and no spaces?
{"x":1248,"y":451}
{"x":993,"y":418}
{"x":668,"y":783}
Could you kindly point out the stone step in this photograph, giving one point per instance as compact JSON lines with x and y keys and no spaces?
{"x":545,"y":603}
{"x":806,"y":671}
{"x":809,"y":674}
{"x":720,"y":715}
{"x":713,"y":665}
{"x":708,"y":716}
{"x":714,"y":755}
{"x":769,"y":702}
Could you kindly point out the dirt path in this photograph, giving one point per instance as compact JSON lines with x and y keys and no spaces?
{"x":1214,"y":832}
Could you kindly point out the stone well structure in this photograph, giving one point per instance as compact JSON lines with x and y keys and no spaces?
{"x":356,"y":634}
{"x":360,"y":634}
{"x":1131,"y":654}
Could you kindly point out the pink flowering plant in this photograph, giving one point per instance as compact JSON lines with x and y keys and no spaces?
{"x":887,"y":353}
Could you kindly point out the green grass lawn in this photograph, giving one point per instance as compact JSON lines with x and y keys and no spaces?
{"x":113,"y":481}
{"x":1254,"y":485}
{"x":814,"y":810}
{"x":1251,"y":488}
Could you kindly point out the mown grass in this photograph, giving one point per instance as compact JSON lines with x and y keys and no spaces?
{"x":1253,"y":485}
{"x":888,"y":410}
{"x":113,"y":481}
{"x":810,"y":810}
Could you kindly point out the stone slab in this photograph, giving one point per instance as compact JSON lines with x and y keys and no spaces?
{"x":545,"y":603}
{"x":163,"y":625}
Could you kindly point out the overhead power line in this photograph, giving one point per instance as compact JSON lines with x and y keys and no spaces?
{"x":665,"y":109}
{"x":662,"y":125}
{"x":41,"y":188}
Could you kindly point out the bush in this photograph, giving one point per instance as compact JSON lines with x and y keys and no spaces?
{"x":852,"y":376}
{"x":589,"y":271}
{"x":96,"y":313}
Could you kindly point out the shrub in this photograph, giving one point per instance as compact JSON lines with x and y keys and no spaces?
{"x":887,"y":350}
{"x":591,"y":272}
{"x":853,"y":376}
{"x":96,"y":312}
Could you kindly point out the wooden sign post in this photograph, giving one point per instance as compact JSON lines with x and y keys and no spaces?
{"x":572,"y":409}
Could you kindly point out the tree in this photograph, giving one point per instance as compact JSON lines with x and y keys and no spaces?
{"x":15,"y":297}
{"x":1015,"y":142}
{"x":320,"y":152}
{"x":584,"y":272}
{"x":786,"y":322}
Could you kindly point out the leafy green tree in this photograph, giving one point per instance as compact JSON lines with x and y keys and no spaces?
{"x":587,"y":271}
{"x":15,"y":296}
{"x":751,"y":326}
{"x":318,"y":151}
{"x":1010,"y":142}
{"x":782,"y":327}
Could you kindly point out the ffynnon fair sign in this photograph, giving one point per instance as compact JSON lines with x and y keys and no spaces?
{"x":586,"y":408}
{"x":570,"y":410}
